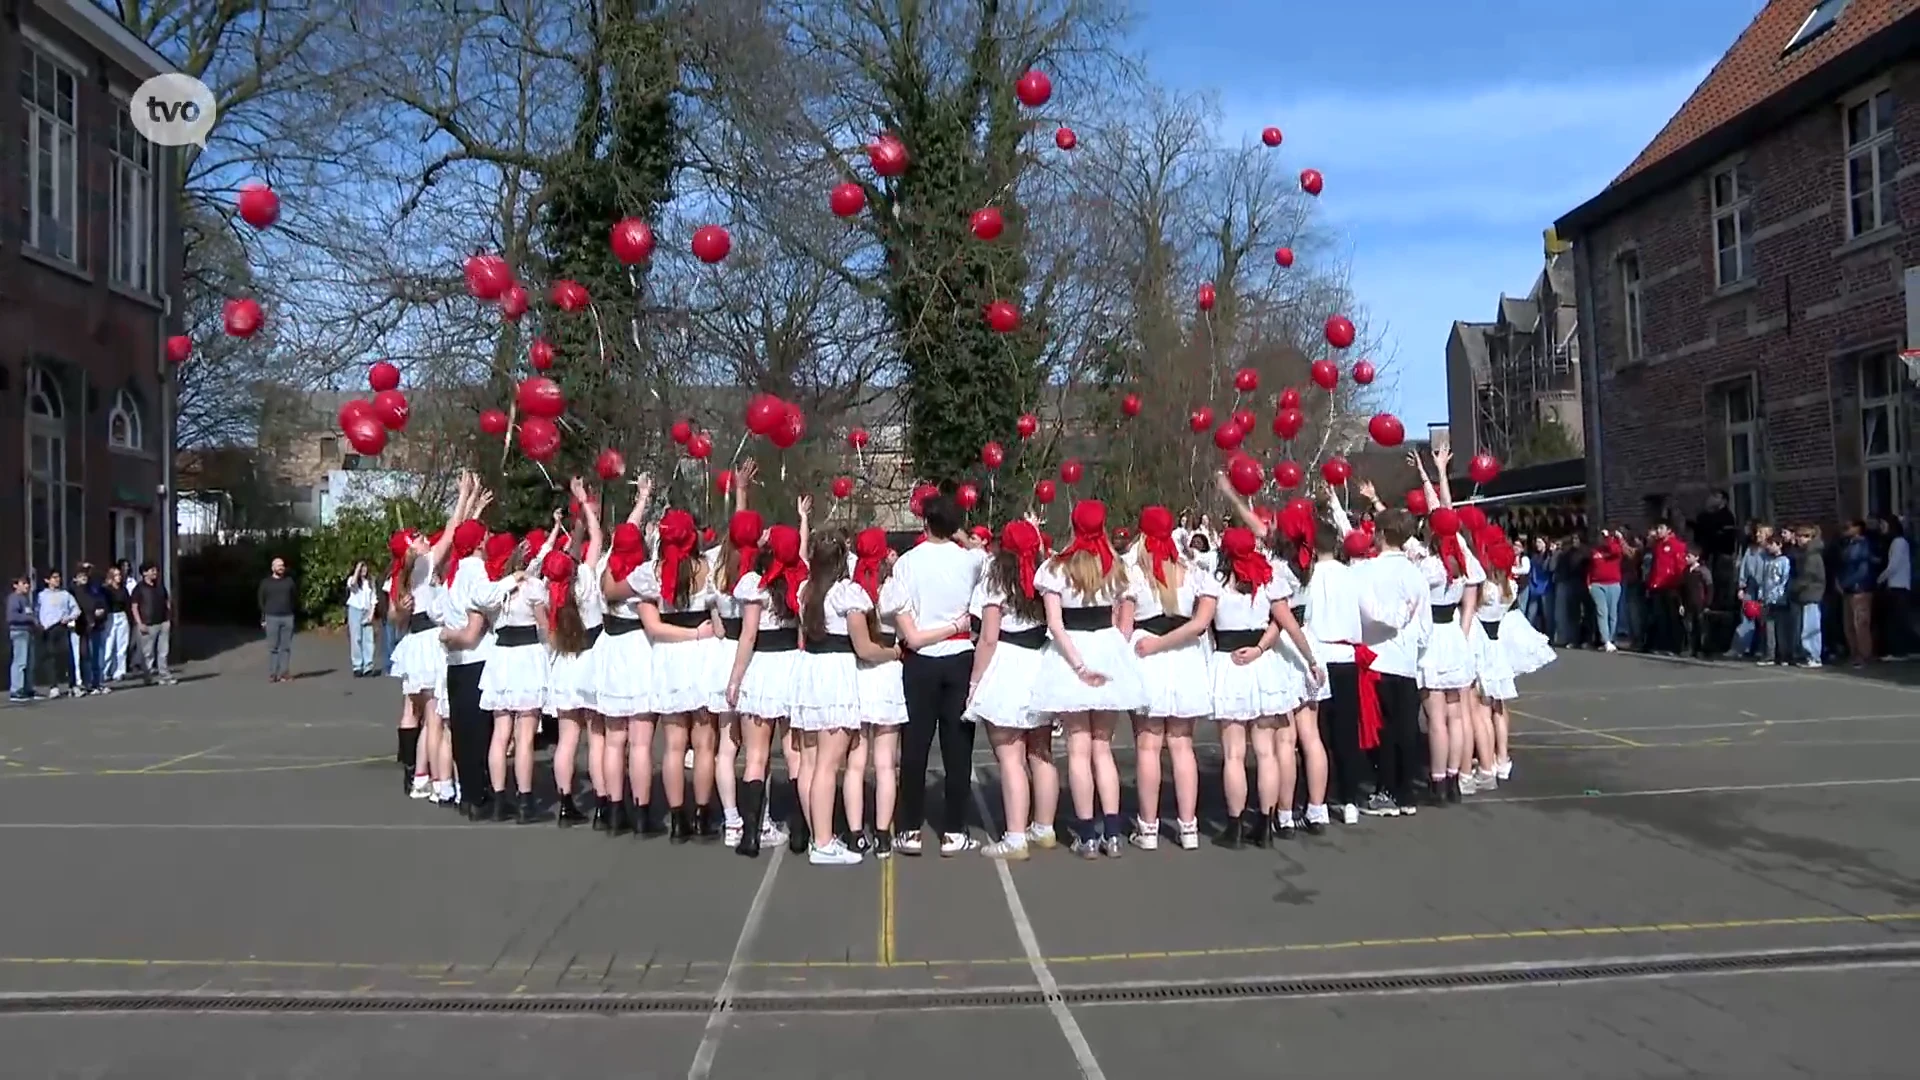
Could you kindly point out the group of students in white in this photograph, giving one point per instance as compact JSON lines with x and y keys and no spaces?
{"x":1317,"y":648}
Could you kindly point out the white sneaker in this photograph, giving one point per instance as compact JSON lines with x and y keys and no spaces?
{"x":957,"y":843}
{"x":1189,"y":835}
{"x":1145,"y":835}
{"x":907,"y":843}
{"x":1007,"y":849}
{"x":1484,"y":780}
{"x":731,"y":834}
{"x":1042,"y":837}
{"x":422,"y":788}
{"x":1467,"y":786}
{"x":1503,"y":770}
{"x":1610,"y":647}
{"x":773,"y":832}
{"x":53,"y":692}
{"x":1349,"y":814}
{"x":832,"y":853}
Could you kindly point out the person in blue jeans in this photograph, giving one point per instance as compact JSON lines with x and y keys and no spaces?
{"x":1749,"y":639}
{"x":1807,"y":590}
{"x":21,"y":630}
{"x":1782,"y":625}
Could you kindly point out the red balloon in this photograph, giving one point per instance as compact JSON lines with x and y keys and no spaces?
{"x":390,"y":408}
{"x":792,"y":427}
{"x":259,"y":206}
{"x":1200,"y":419}
{"x":539,"y":438}
{"x":1043,"y":492}
{"x":992,"y":455}
{"x":700,"y":447}
{"x":632,"y":241}
{"x":723,"y":481}
{"x":353,"y":409}
{"x":569,"y":295}
{"x":1417,"y":502}
{"x":681,"y":431}
{"x":1287,"y":423}
{"x":1386,"y":429}
{"x":1270,"y":136}
{"x":610,"y":465}
{"x":1358,"y":544}
{"x":1290,"y":398}
{"x":365,"y":435}
{"x":513,"y":303}
{"x":1245,"y":475}
{"x":858,"y":438}
{"x":987,"y":223}
{"x":888,"y":156}
{"x":383,"y":376}
{"x":1483,"y":468}
{"x":179,"y":348}
{"x":1339,"y":331}
{"x":1363,"y":372}
{"x":765,"y":413}
{"x":1335,"y":470}
{"x":917,"y":501}
{"x":1071,"y":471}
{"x":707,"y":535}
{"x":1034,"y":88}
{"x":1065,"y":139}
{"x":967,"y":495}
{"x":487,"y":276}
{"x":540,"y":397}
{"x":1325,"y":375}
{"x":1027,"y":426}
{"x":494,"y":422}
{"x":1003,"y":317}
{"x":1752,"y":609}
{"x":540,"y":354}
{"x":1289,"y":475}
{"x":842,"y":487}
{"x":242,"y":318}
{"x":1243,"y":419}
{"x":1206,"y":296}
{"x":1246,"y":380}
{"x":1444,"y":521}
{"x":1229,"y":436}
{"x":1283,"y":256}
{"x":1311,"y":181}
{"x":848,"y":199}
{"x":711,"y":243}
{"x":1130,"y":405}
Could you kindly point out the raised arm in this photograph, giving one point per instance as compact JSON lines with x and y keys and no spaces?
{"x":642,"y":495}
{"x":1442,"y":456}
{"x":743,"y":479}
{"x":1242,"y":509}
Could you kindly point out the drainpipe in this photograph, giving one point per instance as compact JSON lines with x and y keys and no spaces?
{"x":162,"y":276}
{"x":1590,"y":384}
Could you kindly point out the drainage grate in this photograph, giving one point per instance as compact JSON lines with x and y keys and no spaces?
{"x":1141,"y":993}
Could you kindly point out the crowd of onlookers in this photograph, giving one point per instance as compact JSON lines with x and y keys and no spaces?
{"x":79,"y":636}
{"x":1712,"y":586}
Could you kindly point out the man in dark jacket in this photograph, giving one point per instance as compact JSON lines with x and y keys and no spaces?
{"x":278,"y":603}
{"x":1807,"y":589}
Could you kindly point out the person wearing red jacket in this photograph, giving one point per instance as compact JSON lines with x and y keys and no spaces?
{"x":1603,"y":585}
{"x":1663,"y":589}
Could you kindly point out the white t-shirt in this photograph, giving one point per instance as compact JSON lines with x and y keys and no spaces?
{"x":1334,"y":611}
{"x":586,"y":592}
{"x":933,"y":582}
{"x":986,"y":596}
{"x":472,"y":591}
{"x":361,"y":595}
{"x":1395,"y":583}
{"x":748,"y":591}
{"x":645,"y":583}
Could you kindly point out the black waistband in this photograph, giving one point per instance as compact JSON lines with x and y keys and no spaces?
{"x":514,"y":636}
{"x":976,"y":622}
{"x":1086,"y":618}
{"x":1034,"y":637}
{"x":420,"y":623}
{"x":1161,"y":625}
{"x":1491,"y":629}
{"x":781,"y":639}
{"x":732,"y":627}
{"x":593,"y":636}
{"x":686,"y":620}
{"x":615,"y":625}
{"x":830,"y":643}
{"x":885,"y":641}
{"x":1443,"y":613}
{"x":1229,"y":640}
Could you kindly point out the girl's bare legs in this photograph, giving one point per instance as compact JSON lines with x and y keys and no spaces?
{"x":1502,"y":753}
{"x":613,"y":769}
{"x":1233,"y":768}
{"x":1434,"y":704}
{"x":1149,"y":737}
{"x":853,"y":785}
{"x":828,"y":750}
{"x":886,"y":772}
{"x":596,"y":751}
{"x":566,"y":749}
{"x":1313,"y":754}
{"x":673,"y":772}
{"x":795,"y":752}
{"x":1186,"y":773}
{"x":757,"y":735}
{"x":497,"y":751}
{"x":726,"y":760}
{"x":436,"y":754}
{"x":1045,"y":785}
{"x":1016,"y":794}
{"x":640,"y":770}
{"x":1480,"y":715}
{"x":525,"y":725}
{"x":1459,"y":733}
{"x":705,"y":734}
{"x":1079,"y":730}
{"x":1283,"y":769}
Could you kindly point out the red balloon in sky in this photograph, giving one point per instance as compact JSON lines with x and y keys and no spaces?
{"x":888,"y":156}
{"x":1483,"y":468}
{"x":242,"y":317}
{"x":1071,"y":471}
{"x":700,"y":447}
{"x":365,"y":435}
{"x":1130,"y":405}
{"x":539,"y":438}
{"x":569,"y":295}
{"x":1363,"y":372}
{"x":1289,"y":475}
{"x":987,"y":223}
{"x":1200,"y":419}
{"x":792,"y":426}
{"x":1386,"y":429}
{"x":993,"y":455}
{"x":355,"y":407}
{"x":540,"y":354}
{"x":513,"y":303}
{"x":1325,"y":375}
{"x":1003,"y":317}
{"x":681,"y":431}
{"x":842,"y":487}
{"x":539,"y":396}
{"x":764,"y":414}
{"x":1034,"y":89}
{"x":487,"y":276}
{"x":259,"y":206}
{"x":390,"y":408}
{"x":723,"y":481}
{"x":1335,"y":470}
{"x":610,"y":465}
{"x":1065,"y":139}
{"x":711,"y":243}
{"x":1246,"y":380}
{"x":1243,"y":419}
{"x":858,"y":438}
{"x":1311,"y":181}
{"x":1205,"y":296}
{"x":1245,"y":474}
{"x":1270,"y":136}
{"x":1229,"y":436}
{"x":1044,"y":491}
{"x":494,"y":422}
{"x":967,"y":495}
{"x":1290,"y":398}
{"x":1417,"y":502}
{"x":632,"y":241}
{"x":1288,"y":422}
{"x":848,"y":199}
{"x":1339,"y":331}
{"x":180,"y":348}
{"x":383,"y":376}
{"x":1027,"y":426}
{"x":1283,"y":256}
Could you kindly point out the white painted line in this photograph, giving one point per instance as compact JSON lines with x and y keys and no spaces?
{"x":1721,"y":789}
{"x":722,"y":1014}
{"x":1759,"y":722}
{"x":1030,"y":944}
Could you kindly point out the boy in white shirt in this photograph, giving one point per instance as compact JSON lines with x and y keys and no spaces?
{"x":1399,"y":592}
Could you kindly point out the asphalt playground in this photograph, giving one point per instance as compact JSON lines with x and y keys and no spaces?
{"x":1697,"y":869}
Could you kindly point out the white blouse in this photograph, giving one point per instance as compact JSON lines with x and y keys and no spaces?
{"x":843,"y":599}
{"x":1492,"y":604}
{"x":517,"y":608}
{"x":986,"y":596}
{"x":748,"y":591}
{"x":721,"y":600}
{"x":1442,"y":591}
{"x":1049,"y":579}
{"x":586,"y":593}
{"x":1248,"y":611}
{"x":645,"y":583}
{"x":1193,"y":585}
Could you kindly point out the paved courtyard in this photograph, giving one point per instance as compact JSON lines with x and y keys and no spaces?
{"x":1696,"y":870}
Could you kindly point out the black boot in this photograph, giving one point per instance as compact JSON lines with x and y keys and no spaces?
{"x":1257,"y":830}
{"x":503,"y":807}
{"x":602,"y":814}
{"x":1453,"y":788}
{"x":753,"y":807}
{"x":644,"y":821}
{"x":406,"y":779}
{"x":703,"y":824}
{"x":797,"y":837}
{"x":680,"y":825}
{"x":621,"y":817}
{"x":1233,"y":834}
{"x":529,"y":807}
{"x":479,"y":808}
{"x":569,"y":813}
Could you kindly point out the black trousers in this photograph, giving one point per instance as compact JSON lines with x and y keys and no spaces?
{"x":1347,"y":767}
{"x":56,"y":657}
{"x":1399,"y":736}
{"x":936,"y":691}
{"x":1664,"y":633}
{"x":471,"y":729}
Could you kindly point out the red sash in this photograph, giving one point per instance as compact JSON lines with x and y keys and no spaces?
{"x":1370,"y":722}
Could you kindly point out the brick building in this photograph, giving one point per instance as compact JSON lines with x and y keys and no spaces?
{"x":89,"y":257}
{"x":1746,"y":284}
{"x":1511,"y":379}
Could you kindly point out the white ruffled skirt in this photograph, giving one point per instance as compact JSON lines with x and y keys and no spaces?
{"x":1295,"y":669}
{"x":1178,"y":682}
{"x":766,"y":690}
{"x":1004,"y":697}
{"x":883,"y":696}
{"x":622,"y":674}
{"x":515,"y":679}
{"x":1447,"y":662}
{"x":680,"y":676}
{"x":1496,"y":675}
{"x":420,"y":660}
{"x":1243,"y":692}
{"x":1056,"y":689}
{"x":716,"y":660}
{"x":570,"y":681}
{"x":1526,"y":650}
{"x":826,"y":692}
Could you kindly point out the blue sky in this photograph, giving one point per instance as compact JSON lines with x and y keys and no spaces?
{"x":1451,"y":132}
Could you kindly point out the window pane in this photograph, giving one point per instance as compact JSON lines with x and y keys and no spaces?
{"x":1862,"y":215}
{"x":1875,"y":431}
{"x":1883,"y":111}
{"x":1723,"y":189}
{"x":1859,"y":124}
{"x":1739,"y":404}
{"x":1729,"y":266}
{"x":1740,"y":451}
{"x":1881,"y":491}
{"x":1741,"y":500}
{"x":1876,"y":376}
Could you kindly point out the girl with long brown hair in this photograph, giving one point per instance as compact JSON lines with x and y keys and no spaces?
{"x":1171,"y":616}
{"x":622,"y":674}
{"x":1006,"y":660}
{"x":760,"y":683}
{"x":883,"y":701}
{"x":575,"y":612}
{"x":826,"y":687}
{"x":725,"y":563}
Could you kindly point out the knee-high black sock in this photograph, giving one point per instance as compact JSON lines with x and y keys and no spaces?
{"x":410,"y":748}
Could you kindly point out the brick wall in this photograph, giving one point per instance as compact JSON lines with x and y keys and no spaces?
{"x":1797,"y":327}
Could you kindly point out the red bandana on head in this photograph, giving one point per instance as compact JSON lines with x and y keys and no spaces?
{"x":557,"y":568}
{"x":1295,"y":522}
{"x":1445,"y":523}
{"x":398,"y":545}
{"x":1242,"y":552}
{"x":1499,"y":551}
{"x":783,"y":544}
{"x":1023,"y":539}
{"x":678,"y":537}
{"x":869,"y":552}
{"x":499,"y":549}
{"x":1156,"y":536}
{"x":536,"y":539}
{"x":1473,"y":522}
{"x":743,"y":532}
{"x":628,"y":552}
{"x":467,"y":538}
{"x":1090,"y":533}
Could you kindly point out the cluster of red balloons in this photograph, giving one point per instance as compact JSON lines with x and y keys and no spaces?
{"x":698,"y":444}
{"x":365,"y":422}
{"x":779,"y":422}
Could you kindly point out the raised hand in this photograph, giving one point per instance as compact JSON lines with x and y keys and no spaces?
{"x":805,"y":505}
{"x":1366,"y":491}
{"x":746,"y":472}
{"x":1441,"y":455}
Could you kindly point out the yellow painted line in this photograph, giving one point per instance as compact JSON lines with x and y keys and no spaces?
{"x":181,"y":759}
{"x":887,"y":900}
{"x":1575,"y":728}
{"x":161,"y":770}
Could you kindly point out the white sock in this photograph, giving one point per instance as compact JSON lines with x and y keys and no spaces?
{"x":732,"y":815}
{"x":1015,"y":839}
{"x":1317,"y":812}
{"x":1285,"y":817}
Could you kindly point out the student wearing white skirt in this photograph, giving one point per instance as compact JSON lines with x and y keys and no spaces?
{"x":883,"y":698}
{"x":1171,"y":615}
{"x":1509,"y":647}
{"x":419,"y":659}
{"x":514,"y":685}
{"x":1447,"y":662}
{"x":1252,"y":690}
{"x":826,"y":688}
{"x":1006,"y":661}
{"x":576,"y":605}
{"x":622,"y":672}
{"x":734,"y":557}
{"x":760,"y":684}
{"x":1088,"y":673}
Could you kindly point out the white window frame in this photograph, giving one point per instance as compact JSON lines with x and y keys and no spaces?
{"x":125,"y":411}
{"x":1732,"y":207}
{"x":1742,"y":482}
{"x":131,"y":226}
{"x":1809,"y":30}
{"x":1878,"y":151}
{"x":44,"y":123}
{"x":1633,"y":310}
{"x":1882,"y":402}
{"x":46,"y":472}
{"x":130,"y":537}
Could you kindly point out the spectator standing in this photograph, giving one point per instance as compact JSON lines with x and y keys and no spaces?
{"x":1633,"y":587}
{"x":22,"y":628}
{"x":1696,"y":597}
{"x":1717,"y":534}
{"x":1749,"y":637}
{"x":1540,"y":586}
{"x":114,"y":647}
{"x":1856,"y":586}
{"x":1809,"y":588}
{"x":152,"y":611}
{"x":1603,"y":584}
{"x":1664,"y":583}
{"x":361,"y":600}
{"x":91,"y":632}
{"x":57,"y":613}
{"x":1569,"y":588}
{"x":1774,"y":579}
{"x":277,"y":601}
{"x":1896,"y":591}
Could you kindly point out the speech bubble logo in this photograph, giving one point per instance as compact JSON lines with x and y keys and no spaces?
{"x":173,"y":110}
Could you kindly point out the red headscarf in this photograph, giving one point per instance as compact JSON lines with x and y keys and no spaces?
{"x":678,"y":539}
{"x":398,"y":545}
{"x":982,"y":534}
{"x":499,"y":549}
{"x":1156,"y":537}
{"x":1243,"y":554}
{"x":1023,"y":539}
{"x":1473,"y":522}
{"x":557,"y":568}
{"x":1445,"y":523}
{"x":783,"y":543}
{"x":1090,"y":533}
{"x":536,"y":539}
{"x":1358,"y":544}
{"x":628,"y":552}
{"x":467,"y":538}
{"x":1295,"y":522}
{"x":869,"y":551}
{"x":1499,"y":551}
{"x":743,"y":532}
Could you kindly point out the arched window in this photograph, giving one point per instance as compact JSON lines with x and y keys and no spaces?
{"x":123,"y":423}
{"x":52,"y":508}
